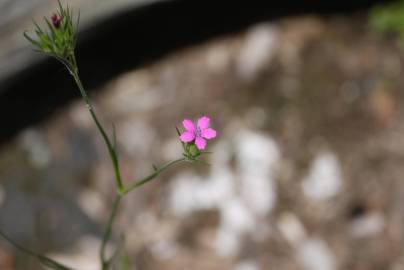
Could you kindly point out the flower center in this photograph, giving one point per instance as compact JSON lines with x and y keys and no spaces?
{"x":198,"y":132}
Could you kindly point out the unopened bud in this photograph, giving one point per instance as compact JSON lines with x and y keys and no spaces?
{"x":56,"y":20}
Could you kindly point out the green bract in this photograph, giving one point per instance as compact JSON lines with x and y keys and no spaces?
{"x":59,"y":40}
{"x":191,"y":152}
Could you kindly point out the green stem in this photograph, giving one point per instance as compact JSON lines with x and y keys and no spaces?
{"x":107,"y":233}
{"x":111,"y":148}
{"x":108,"y":230}
{"x":152,"y":176}
{"x":105,"y":262}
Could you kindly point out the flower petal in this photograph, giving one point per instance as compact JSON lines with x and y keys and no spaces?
{"x":203,"y":122}
{"x":200,"y":143}
{"x":188,"y":125}
{"x":187,"y":136}
{"x":208,"y":133}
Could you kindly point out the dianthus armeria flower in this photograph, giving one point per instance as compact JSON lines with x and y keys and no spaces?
{"x":199,"y":133}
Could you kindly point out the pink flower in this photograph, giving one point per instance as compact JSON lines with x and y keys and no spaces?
{"x":199,"y":134}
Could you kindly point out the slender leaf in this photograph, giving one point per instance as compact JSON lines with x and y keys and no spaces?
{"x":43,"y":259}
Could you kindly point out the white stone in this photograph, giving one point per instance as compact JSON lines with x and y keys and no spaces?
{"x":92,"y":204}
{"x":314,"y":254}
{"x":258,"y":50}
{"x":34,"y":143}
{"x":324,"y":179}
{"x":247,"y":265}
{"x":291,"y":228}
{"x":257,"y":157}
{"x":190,"y":192}
{"x":367,"y":225}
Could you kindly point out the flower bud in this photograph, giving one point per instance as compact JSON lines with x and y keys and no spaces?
{"x":56,"y":20}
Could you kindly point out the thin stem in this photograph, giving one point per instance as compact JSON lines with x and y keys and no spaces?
{"x":107,"y":233}
{"x":111,"y":149}
{"x":108,"y":230}
{"x":150,"y":177}
{"x":72,"y":67}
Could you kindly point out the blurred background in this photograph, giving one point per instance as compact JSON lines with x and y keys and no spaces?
{"x":306,"y":171}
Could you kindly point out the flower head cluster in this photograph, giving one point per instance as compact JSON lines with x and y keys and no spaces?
{"x":59,"y":39}
{"x":199,"y":133}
